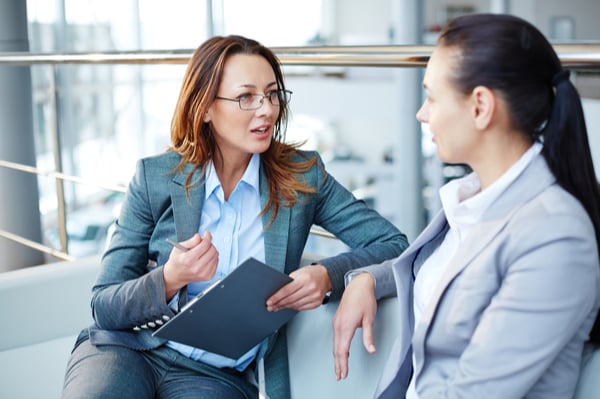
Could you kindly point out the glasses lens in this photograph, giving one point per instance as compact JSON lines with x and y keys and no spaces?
{"x":280,"y":97}
{"x":251,"y":102}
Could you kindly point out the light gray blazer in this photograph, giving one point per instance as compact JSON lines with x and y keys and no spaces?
{"x":514,"y":307}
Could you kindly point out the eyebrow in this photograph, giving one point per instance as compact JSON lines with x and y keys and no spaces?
{"x":251,"y":86}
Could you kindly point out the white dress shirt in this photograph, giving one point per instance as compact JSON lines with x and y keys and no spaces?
{"x":463,"y":203}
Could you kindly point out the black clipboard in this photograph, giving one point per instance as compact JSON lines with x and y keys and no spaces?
{"x":230,"y":317}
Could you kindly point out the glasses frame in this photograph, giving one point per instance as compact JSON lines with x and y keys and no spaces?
{"x":284,"y":94}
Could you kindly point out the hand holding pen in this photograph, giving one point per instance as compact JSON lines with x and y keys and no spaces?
{"x":195,"y":259}
{"x":177,"y":245}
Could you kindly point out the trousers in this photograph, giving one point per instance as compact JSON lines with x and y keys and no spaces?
{"x":112,"y":371}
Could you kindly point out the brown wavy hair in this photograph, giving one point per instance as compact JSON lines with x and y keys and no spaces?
{"x":194,"y":140}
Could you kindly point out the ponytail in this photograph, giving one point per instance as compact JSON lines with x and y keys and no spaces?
{"x":568,"y":155}
{"x":567,"y":150}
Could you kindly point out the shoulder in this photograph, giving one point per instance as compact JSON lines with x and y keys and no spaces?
{"x":305,"y":155}
{"x":555,"y":206}
{"x":316,"y":174}
{"x":554,"y":223}
{"x":544,"y":205}
{"x":158,"y":166}
{"x":153,"y":173}
{"x":167,"y":159}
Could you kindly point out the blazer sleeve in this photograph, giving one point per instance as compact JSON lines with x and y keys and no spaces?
{"x":371,"y":237}
{"x":128,"y":291}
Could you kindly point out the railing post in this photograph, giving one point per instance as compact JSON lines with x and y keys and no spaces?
{"x":18,"y":191}
{"x":408,"y":160}
{"x":61,"y":207}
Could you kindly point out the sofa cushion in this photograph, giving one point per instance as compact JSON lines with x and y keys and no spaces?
{"x":35,"y":371}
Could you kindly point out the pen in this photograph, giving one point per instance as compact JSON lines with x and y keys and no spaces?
{"x":177,"y":245}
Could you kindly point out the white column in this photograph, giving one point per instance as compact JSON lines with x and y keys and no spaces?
{"x":19,"y":197}
{"x":499,"y":6}
{"x":407,"y":193}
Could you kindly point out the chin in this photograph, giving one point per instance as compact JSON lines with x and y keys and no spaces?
{"x":444,"y":158}
{"x":259,"y":149}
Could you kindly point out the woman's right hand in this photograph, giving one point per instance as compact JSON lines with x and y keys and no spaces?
{"x":357,"y":309}
{"x":198,"y":263}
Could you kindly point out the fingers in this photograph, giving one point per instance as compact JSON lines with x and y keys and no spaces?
{"x":293,"y":297}
{"x":192,"y":241}
{"x":305,"y":292}
{"x":342,"y":338}
{"x":282,"y":297}
{"x":357,"y":309}
{"x":367,"y":337}
{"x":198,"y":262}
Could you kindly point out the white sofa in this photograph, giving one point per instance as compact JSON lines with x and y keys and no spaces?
{"x":44,"y":307}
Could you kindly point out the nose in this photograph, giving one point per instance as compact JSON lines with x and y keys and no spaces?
{"x":266,"y":108}
{"x":422,"y":114}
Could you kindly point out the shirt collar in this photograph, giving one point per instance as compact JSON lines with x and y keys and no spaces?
{"x":250,"y":176}
{"x":464,"y":202}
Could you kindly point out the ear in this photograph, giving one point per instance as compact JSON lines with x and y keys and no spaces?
{"x":484,"y":103}
{"x":207,"y":115}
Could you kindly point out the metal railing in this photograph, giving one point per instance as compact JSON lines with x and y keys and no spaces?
{"x":580,"y":57}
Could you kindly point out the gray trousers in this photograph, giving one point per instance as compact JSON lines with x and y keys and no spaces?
{"x":112,"y":371}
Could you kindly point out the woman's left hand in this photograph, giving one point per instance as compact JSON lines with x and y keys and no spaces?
{"x":305,"y":292}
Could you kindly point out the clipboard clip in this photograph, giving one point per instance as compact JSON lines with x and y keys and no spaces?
{"x":201,"y":294}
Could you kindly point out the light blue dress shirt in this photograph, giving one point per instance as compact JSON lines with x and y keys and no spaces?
{"x":237,"y":233}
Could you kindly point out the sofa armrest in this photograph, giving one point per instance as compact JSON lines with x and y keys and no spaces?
{"x":46,"y":302}
{"x":310,"y":354}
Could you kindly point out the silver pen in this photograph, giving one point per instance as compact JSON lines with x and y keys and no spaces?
{"x":177,"y":245}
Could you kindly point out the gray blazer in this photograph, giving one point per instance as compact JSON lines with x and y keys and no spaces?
{"x":129,"y":291}
{"x":514,"y":307}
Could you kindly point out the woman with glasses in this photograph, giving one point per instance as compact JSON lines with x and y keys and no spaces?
{"x":229,"y":188}
{"x":498,"y":295}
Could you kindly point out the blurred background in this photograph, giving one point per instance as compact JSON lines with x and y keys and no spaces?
{"x":361,"y":119}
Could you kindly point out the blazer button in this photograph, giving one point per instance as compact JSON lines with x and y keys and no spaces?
{"x":166,"y":318}
{"x":151,"y":324}
{"x":137,"y":328}
{"x":159,"y":322}
{"x":144,"y":326}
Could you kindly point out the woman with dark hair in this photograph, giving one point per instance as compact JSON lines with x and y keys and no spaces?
{"x":228,"y":189}
{"x":498,"y":295}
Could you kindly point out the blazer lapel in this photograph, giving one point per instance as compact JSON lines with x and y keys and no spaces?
{"x":431,"y":231}
{"x":187,"y":208}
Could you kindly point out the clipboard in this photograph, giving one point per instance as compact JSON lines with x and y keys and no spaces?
{"x":230,"y":316}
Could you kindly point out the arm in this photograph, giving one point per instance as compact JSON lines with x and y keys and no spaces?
{"x":128,"y":292}
{"x":357,"y":309}
{"x":372,"y":238}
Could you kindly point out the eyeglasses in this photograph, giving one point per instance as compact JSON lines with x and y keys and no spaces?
{"x":250,"y":102}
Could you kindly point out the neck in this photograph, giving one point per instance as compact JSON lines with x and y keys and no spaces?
{"x":499,"y":156}
{"x":230,"y":171}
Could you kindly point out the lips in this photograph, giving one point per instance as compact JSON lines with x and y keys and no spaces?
{"x":262,"y":131}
